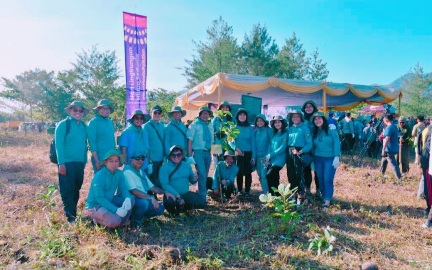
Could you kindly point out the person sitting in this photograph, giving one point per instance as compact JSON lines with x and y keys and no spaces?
{"x":224,"y":176}
{"x":136,"y":185}
{"x":103,"y":205}
{"x":175,"y":176}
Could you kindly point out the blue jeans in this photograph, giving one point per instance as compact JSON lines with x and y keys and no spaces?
{"x":144,"y":209}
{"x":203,"y":161}
{"x":390,"y":158}
{"x":326,"y":173}
{"x":262,"y":174}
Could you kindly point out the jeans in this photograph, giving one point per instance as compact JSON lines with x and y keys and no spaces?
{"x":144,"y":209}
{"x":326,"y":173}
{"x":262,"y":174}
{"x":104,"y":217}
{"x":70,"y":185}
{"x":390,"y":158}
{"x":203,"y":161}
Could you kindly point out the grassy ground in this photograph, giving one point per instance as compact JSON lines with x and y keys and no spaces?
{"x":373,"y":220}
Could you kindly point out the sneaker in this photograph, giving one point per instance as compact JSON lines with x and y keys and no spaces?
{"x":427,"y":224}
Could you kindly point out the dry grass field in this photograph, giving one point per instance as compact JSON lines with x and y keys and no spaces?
{"x":372,"y":219}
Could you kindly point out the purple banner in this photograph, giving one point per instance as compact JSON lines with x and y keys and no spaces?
{"x":135,"y":42}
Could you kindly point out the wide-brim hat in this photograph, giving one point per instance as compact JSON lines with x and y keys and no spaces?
{"x":76,"y":103}
{"x":176,"y":109}
{"x":280,"y":118}
{"x":172,"y":148}
{"x":225,"y":103}
{"x":205,"y":108}
{"x":291,"y":113}
{"x":138,"y":112}
{"x":104,"y":102}
{"x":156,"y":108}
{"x":111,"y":153}
{"x":137,"y":154}
{"x":229,"y":153}
{"x":262,"y":116}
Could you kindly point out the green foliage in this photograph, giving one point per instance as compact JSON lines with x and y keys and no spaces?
{"x":161,"y":97}
{"x":323,"y":244}
{"x":47,"y":197}
{"x":417,"y":94}
{"x":229,"y":129}
{"x":284,"y":207}
{"x":56,"y":246}
{"x":211,"y":262}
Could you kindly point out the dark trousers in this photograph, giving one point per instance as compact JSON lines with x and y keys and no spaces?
{"x":245,"y":169}
{"x":192,"y":200}
{"x":295,"y":173}
{"x":273,"y":178}
{"x":154,"y":176}
{"x":390,"y":158}
{"x":70,"y":185}
{"x":404,"y":158}
{"x":348,"y":142}
{"x":307,"y":172}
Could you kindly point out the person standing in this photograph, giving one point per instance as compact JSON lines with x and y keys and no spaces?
{"x":71,"y":148}
{"x":136,"y":185}
{"x":103,"y":205}
{"x":100,"y":132}
{"x":155,"y":131}
{"x":135,"y":139}
{"x":416,"y":131}
{"x":224,"y":176}
{"x":277,"y":152}
{"x":299,"y":143}
{"x":262,"y":136}
{"x":175,"y":131}
{"x":404,"y":131}
{"x":244,"y":146}
{"x":326,"y":149}
{"x":390,"y":147}
{"x":200,"y":138}
{"x":370,"y":136}
{"x":346,"y":128}
{"x":175,"y":176}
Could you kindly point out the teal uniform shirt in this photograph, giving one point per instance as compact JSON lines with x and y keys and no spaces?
{"x":133,"y":179}
{"x":223,"y":172}
{"x":156,"y":133}
{"x":135,"y":139}
{"x":327,"y":145}
{"x":103,"y":188}
{"x":175,"y":134}
{"x":277,"y":149}
{"x":246,"y":140}
{"x":178,"y":184}
{"x":263,"y":137}
{"x":346,"y":127}
{"x":100,"y":132}
{"x":195,"y":133}
{"x":73,"y":147}
{"x":300,"y":136}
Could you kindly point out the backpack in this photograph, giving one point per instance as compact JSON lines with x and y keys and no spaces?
{"x":52,"y":150}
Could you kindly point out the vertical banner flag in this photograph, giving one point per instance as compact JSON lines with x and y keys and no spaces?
{"x":135,"y":42}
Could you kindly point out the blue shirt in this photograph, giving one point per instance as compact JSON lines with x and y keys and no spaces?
{"x":393,"y":145}
{"x":135,"y":139}
{"x":103,"y":188}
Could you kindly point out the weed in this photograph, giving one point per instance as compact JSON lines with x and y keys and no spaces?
{"x":323,"y":244}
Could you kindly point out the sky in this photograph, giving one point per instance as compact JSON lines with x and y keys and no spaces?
{"x":362,"y":42}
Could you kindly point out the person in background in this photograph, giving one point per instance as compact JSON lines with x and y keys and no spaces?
{"x":404,"y":131}
{"x":156,"y":131}
{"x":103,"y":205}
{"x":299,"y":142}
{"x":347,"y":130}
{"x":262,"y":136}
{"x":100,"y":133}
{"x":331,"y":119}
{"x":200,"y":138}
{"x":135,"y":139}
{"x":424,"y":147}
{"x":277,"y":151}
{"x":136,"y":185}
{"x":416,"y":131}
{"x":326,"y":149}
{"x":390,"y":147}
{"x":370,"y":135}
{"x":308,"y":109}
{"x":224,"y":176}
{"x":244,"y":146}
{"x":175,"y":131}
{"x":175,"y":176}
{"x":358,"y":129}
{"x":71,"y":148}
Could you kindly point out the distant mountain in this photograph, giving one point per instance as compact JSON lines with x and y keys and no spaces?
{"x":400,"y":82}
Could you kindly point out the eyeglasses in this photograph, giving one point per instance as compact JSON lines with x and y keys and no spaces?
{"x":401,"y":122}
{"x":139,"y":158}
{"x":178,"y":155}
{"x":157,"y":112}
{"x":138,"y":118}
{"x":77,"y":110}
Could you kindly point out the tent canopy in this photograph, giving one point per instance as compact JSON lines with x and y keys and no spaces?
{"x":284,"y":92}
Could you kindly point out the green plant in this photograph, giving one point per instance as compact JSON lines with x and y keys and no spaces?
{"x":228,"y":128}
{"x":323,"y":244}
{"x":284,"y":206}
{"x":48,"y":197}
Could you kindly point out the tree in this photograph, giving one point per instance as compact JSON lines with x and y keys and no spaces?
{"x":259,"y":53}
{"x":219,"y":54}
{"x":317,"y":70}
{"x":417,"y":93}
{"x":161,"y":97}
{"x":27,"y":88}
